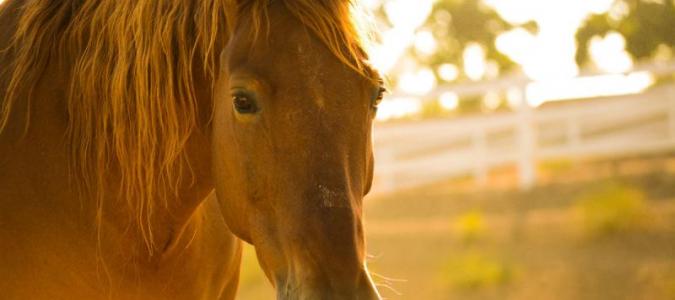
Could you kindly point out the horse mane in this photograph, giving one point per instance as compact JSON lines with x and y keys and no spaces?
{"x":131,"y":65}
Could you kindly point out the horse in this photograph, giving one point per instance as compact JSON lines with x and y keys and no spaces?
{"x":142,"y":142}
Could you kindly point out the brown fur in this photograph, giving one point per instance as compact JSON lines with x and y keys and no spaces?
{"x":131,"y":103}
{"x":116,"y":128}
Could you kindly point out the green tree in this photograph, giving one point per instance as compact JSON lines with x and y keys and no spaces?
{"x":646,"y":25}
{"x":456,"y":23}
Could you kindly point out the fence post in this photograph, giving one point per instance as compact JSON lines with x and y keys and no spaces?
{"x":573,"y":134}
{"x":527,"y":144}
{"x":479,"y":145}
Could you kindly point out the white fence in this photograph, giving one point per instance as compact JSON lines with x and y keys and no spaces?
{"x":417,"y":153}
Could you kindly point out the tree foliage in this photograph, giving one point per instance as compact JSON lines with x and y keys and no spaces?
{"x":646,"y":25}
{"x":457,"y":23}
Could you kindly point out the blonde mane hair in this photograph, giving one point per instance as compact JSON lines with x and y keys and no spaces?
{"x":131,"y":66}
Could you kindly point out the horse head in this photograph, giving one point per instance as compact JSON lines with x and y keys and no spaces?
{"x":293,"y":117}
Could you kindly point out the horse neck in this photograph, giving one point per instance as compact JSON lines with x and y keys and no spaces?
{"x":183,"y":210}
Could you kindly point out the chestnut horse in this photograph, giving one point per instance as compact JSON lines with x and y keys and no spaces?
{"x":142,"y":141}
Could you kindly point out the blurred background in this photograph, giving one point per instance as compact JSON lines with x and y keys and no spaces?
{"x":526,"y":151}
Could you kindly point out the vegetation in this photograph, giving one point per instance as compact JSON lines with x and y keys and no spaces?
{"x":474,"y":270}
{"x":457,"y":24}
{"x":470,"y":226}
{"x":645,"y":24}
{"x":452,"y":243}
{"x":611,"y":208}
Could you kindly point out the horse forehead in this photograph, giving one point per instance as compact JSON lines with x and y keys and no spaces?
{"x":312,"y":66}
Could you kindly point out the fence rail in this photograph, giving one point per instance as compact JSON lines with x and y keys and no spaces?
{"x":413,"y":154}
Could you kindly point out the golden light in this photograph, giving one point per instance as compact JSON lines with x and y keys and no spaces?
{"x":491,"y":100}
{"x":425,"y":43}
{"x":474,"y":61}
{"x":515,"y":11}
{"x":417,"y":83}
{"x":587,"y":87}
{"x":514,"y":97}
{"x":546,"y":56}
{"x":609,"y":53}
{"x":371,"y":4}
{"x":448,"y":72}
{"x":406,"y":13}
{"x":619,"y":10}
{"x":449,"y":101}
{"x":491,"y":69}
{"x":549,"y":54}
{"x":397,"y":108}
{"x":517,"y":44}
{"x":385,"y":55}
{"x":405,"y":17}
{"x":600,"y":6}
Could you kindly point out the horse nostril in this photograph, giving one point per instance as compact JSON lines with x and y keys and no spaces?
{"x":332,"y":198}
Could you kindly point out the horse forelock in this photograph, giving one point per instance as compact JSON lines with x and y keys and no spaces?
{"x":131,"y":65}
{"x":342,"y":25}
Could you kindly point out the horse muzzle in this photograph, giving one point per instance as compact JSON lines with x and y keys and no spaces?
{"x":329,"y":290}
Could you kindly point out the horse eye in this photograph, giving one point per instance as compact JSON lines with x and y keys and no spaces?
{"x":380,"y":95}
{"x":244,"y":104}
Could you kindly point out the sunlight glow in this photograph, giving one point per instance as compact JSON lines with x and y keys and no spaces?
{"x":406,"y":13}
{"x":491,"y":69}
{"x":546,"y":56}
{"x":516,"y":44}
{"x":600,"y":6}
{"x":449,"y":101}
{"x":619,"y":10}
{"x":491,"y":100}
{"x":553,"y":56}
{"x":405,"y":17}
{"x":395,"y":41}
{"x":587,"y":87}
{"x":397,"y":108}
{"x":522,"y":11}
{"x":514,"y":97}
{"x":474,"y":61}
{"x":448,"y":72}
{"x":371,"y":4}
{"x":550,"y":53}
{"x":515,"y":11}
{"x":425,"y":43}
{"x":418,"y":83}
{"x":609,"y":53}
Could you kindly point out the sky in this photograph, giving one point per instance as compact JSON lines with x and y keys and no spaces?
{"x":547,"y":57}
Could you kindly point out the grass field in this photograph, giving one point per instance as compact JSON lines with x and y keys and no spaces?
{"x":607,"y":238}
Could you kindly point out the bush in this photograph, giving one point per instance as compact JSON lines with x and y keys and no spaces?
{"x":611,"y":208}
{"x":474,"y":270}
{"x":470,"y":226}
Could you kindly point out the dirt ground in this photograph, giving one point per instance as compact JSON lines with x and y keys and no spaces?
{"x":569,"y":238}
